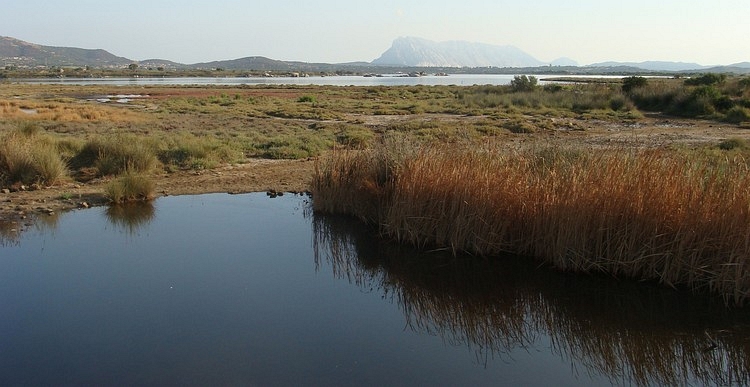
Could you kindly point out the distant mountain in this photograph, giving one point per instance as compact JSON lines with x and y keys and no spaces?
{"x":417,"y":52}
{"x":17,"y":52}
{"x":247,"y":63}
{"x":564,"y":62}
{"x":405,"y":55}
{"x":653,"y":65}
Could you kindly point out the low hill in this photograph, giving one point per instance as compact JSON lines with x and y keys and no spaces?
{"x":18,"y":52}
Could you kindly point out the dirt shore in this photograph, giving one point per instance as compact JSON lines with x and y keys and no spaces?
{"x":256,"y":175}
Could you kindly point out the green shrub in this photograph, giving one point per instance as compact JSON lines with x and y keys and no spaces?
{"x":733,"y":143}
{"x":519,"y":127}
{"x":737,"y":114}
{"x":706,"y":79}
{"x":194,"y":152}
{"x":306,"y":98}
{"x":355,"y":138}
{"x":618,"y":103}
{"x":631,"y":83}
{"x":523,"y":83}
{"x":289,"y":147}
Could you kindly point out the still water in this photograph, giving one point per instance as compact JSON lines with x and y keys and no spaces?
{"x":247,"y":290}
{"x":430,"y":80}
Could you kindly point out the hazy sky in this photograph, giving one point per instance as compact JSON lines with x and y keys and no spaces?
{"x":707,"y":32}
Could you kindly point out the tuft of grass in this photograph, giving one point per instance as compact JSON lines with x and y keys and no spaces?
{"x":129,"y":187}
{"x":682,"y":220}
{"x":113,"y":156}
{"x":28,"y":158}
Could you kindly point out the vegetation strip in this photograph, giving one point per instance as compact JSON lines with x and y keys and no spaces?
{"x":680,"y":219}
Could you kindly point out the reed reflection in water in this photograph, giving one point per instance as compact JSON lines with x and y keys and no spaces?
{"x":628,"y":332}
{"x":130,"y":217}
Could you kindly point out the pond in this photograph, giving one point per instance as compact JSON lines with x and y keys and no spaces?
{"x":247,"y":290}
{"x":339,"y":80}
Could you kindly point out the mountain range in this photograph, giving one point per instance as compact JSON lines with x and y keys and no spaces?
{"x":405,"y":52}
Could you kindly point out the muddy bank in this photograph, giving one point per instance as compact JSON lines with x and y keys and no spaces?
{"x":255,"y":175}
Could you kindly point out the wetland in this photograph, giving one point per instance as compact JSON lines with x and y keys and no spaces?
{"x":460,"y":175}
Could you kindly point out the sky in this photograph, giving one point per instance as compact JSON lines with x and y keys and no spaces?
{"x":707,"y":32}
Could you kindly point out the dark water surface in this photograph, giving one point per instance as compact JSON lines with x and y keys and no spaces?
{"x":248,"y":290}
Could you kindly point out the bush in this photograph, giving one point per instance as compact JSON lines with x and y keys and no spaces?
{"x":196,"y":152}
{"x":737,"y":114}
{"x":306,"y":98}
{"x":706,"y":79}
{"x":631,"y":83}
{"x":523,"y":83}
{"x":733,"y":143}
{"x":355,"y":138}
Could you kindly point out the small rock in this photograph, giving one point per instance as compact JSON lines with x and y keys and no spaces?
{"x":83,"y":205}
{"x":6,"y":191}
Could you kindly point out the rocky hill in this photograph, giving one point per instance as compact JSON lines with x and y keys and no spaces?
{"x":17,"y":52}
{"x":417,"y":52}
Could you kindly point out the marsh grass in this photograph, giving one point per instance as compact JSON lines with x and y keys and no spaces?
{"x":656,"y":215}
{"x":188,"y":151}
{"x":131,"y":186}
{"x":115,"y":154}
{"x":29,"y":157}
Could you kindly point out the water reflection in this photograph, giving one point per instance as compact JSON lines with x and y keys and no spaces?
{"x":630,"y":333}
{"x":10,"y":233}
{"x":11,"y":230}
{"x":130,"y":217}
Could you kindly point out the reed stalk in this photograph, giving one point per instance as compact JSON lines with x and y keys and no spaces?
{"x":682,"y":220}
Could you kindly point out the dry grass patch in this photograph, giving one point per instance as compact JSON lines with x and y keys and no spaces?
{"x":30,"y":158}
{"x":69,"y":111}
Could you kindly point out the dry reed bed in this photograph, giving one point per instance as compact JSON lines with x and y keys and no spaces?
{"x":647,"y":214}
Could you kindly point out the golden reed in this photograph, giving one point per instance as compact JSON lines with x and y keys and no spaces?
{"x":682,"y":220}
